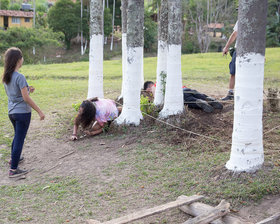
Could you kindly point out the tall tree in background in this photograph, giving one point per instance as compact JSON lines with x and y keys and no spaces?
{"x":162,"y":53}
{"x":124,"y":49}
{"x":62,"y":17}
{"x":247,"y":138}
{"x":113,"y":24}
{"x":95,"y":83}
{"x":202,"y":13}
{"x":4,"y":4}
{"x":131,"y":113}
{"x":173,"y":101}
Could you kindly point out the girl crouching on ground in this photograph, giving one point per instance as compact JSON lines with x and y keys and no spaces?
{"x":19,"y":105}
{"x":94,"y":114}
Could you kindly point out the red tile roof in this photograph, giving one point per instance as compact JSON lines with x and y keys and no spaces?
{"x":15,"y":13}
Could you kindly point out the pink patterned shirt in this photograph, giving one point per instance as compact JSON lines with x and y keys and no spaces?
{"x":106,"y":110}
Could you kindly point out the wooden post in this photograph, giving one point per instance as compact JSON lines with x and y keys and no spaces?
{"x":197,"y":208}
{"x":217,"y":212}
{"x":152,"y":211}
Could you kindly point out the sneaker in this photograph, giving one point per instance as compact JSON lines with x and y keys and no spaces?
{"x":214,"y":103}
{"x":17,"y":173}
{"x":20,"y":160}
{"x":230,"y":96}
{"x":204,"y":106}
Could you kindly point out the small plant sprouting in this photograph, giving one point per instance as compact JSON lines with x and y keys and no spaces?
{"x":76,"y":106}
{"x":146,"y":106}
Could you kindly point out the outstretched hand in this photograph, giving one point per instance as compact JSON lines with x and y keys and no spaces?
{"x":225,"y":51}
{"x":31,"y":89}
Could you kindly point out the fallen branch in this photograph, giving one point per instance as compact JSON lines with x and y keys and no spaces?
{"x":68,"y":154}
{"x":51,"y":168}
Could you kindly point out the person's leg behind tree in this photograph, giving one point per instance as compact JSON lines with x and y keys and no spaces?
{"x":194,"y":102}
{"x":230,"y":95}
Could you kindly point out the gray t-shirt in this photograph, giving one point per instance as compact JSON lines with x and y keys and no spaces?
{"x":16,"y":104}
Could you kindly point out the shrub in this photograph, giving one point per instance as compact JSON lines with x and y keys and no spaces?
{"x":147,"y":107}
{"x":27,"y":38}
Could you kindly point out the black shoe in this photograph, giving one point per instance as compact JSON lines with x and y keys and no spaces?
{"x":20,"y":160}
{"x":17,"y":173}
{"x":214,"y":103}
{"x":230,"y":96}
{"x":204,"y":106}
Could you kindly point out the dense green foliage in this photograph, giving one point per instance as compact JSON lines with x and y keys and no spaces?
{"x":273,"y":24}
{"x":4,"y":4}
{"x":150,"y":32}
{"x":107,"y":22}
{"x":61,"y":18}
{"x":26,"y":39}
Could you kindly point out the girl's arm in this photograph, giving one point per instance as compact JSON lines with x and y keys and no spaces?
{"x":75,"y":130}
{"x":30,"y":102}
{"x":95,"y":130}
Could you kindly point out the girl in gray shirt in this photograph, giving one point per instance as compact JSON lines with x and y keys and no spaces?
{"x":19,"y":105}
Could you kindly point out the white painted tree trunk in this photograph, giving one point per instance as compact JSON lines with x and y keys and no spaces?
{"x":247,"y":141}
{"x":95,"y":83}
{"x":173,"y":101}
{"x":124,"y":44}
{"x":124,"y":62}
{"x":161,"y":72}
{"x":131,"y":113}
{"x":162,"y":53}
{"x":247,"y":138}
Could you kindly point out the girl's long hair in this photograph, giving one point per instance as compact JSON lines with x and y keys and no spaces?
{"x":12,"y":56}
{"x":87,"y":115}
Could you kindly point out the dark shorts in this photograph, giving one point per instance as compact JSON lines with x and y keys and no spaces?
{"x":232,"y":64}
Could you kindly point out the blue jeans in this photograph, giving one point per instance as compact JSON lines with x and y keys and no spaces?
{"x":21,"y":124}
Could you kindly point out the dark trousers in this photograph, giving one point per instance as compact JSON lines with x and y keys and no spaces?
{"x":21,"y":124}
{"x":191,"y":95}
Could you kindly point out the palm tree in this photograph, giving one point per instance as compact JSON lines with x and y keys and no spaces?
{"x":95,"y":83}
{"x":173,"y":101}
{"x":247,"y":137}
{"x":124,"y":49}
{"x":162,"y":53}
{"x":131,"y":113}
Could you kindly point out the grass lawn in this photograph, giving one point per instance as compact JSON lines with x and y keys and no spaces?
{"x":145,"y":168}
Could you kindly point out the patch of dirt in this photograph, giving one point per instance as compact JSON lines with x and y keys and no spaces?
{"x":267,"y":207}
{"x":48,"y":156}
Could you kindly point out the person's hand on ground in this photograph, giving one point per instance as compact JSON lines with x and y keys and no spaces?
{"x":74,"y":137}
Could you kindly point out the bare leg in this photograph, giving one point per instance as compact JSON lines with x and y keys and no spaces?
{"x":231,"y":82}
